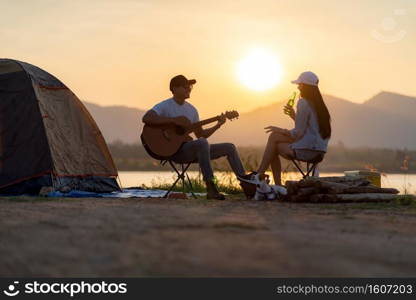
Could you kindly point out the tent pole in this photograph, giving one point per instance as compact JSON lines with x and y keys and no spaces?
{"x":53,"y":182}
{"x":119,"y":180}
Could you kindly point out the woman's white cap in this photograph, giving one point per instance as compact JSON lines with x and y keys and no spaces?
{"x":307,"y":78}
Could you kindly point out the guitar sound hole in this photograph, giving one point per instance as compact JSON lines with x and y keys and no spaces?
{"x":179,"y":130}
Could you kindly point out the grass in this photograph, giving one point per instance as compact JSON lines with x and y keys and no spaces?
{"x":225,"y":184}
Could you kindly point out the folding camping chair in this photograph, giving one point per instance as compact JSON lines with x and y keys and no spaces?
{"x":180,"y":171}
{"x":310,"y":165}
{"x":181,"y":175}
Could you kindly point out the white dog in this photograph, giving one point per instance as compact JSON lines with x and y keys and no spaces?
{"x":265,"y":191}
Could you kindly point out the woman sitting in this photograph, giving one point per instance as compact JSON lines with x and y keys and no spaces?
{"x":309,"y":139}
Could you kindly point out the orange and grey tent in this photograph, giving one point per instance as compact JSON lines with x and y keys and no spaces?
{"x":47,"y":136}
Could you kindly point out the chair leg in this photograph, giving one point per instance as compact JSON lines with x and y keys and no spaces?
{"x":183,"y":180}
{"x":315,"y":171}
{"x":299,"y":168}
{"x":185,"y":173}
{"x":190,"y":185}
{"x":181,"y":176}
{"x":171,"y":187}
{"x":176,"y":181}
{"x":311,"y":169}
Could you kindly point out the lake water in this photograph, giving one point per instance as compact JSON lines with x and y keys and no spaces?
{"x":402,"y":182}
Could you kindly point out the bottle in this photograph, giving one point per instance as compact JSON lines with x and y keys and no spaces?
{"x":291,"y":102}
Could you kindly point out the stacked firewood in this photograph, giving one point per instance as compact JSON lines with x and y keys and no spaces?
{"x":337,"y":189}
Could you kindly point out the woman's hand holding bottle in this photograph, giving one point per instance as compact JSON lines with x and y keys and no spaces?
{"x":288,"y":109}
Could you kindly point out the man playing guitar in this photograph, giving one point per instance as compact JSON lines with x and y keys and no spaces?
{"x":177,"y":111}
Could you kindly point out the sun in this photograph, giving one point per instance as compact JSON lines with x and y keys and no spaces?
{"x":259,"y":70}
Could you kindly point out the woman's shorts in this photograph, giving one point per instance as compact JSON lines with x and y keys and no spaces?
{"x":308,"y":155}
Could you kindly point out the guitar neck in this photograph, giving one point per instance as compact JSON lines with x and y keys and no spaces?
{"x":202,"y":123}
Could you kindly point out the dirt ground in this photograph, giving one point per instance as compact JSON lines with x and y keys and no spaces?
{"x":158,"y":237}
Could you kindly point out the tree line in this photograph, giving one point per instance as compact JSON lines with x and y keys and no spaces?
{"x":133,"y":157}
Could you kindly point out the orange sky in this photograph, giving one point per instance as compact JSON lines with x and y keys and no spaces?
{"x":124,"y":52}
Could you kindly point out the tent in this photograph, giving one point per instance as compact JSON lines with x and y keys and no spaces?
{"x":47,"y":136}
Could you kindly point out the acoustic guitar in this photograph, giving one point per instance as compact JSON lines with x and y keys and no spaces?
{"x":163,"y":141}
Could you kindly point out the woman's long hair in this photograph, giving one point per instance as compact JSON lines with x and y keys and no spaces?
{"x":312,"y":94}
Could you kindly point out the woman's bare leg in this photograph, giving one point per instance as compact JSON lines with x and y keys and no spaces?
{"x":268,"y":154}
{"x":283,"y":149}
{"x":276,"y":169}
{"x":271,"y":149}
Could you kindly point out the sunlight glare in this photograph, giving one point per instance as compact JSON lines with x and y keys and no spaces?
{"x":260,"y":70}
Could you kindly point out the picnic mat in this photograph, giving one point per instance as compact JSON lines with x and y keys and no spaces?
{"x":125,"y":193}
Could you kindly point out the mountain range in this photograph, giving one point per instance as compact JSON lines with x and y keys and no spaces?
{"x":386,"y":120}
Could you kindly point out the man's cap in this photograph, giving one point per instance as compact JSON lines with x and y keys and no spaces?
{"x":307,"y":78}
{"x":180,"y":80}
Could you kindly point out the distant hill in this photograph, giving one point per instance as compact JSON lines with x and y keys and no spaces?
{"x":386,"y":120}
{"x":117,"y":123}
{"x":394,"y":103}
{"x":353,"y":124}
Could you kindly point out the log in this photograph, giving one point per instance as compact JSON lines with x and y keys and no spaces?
{"x":298,"y":198}
{"x":369,"y":189}
{"x":323,"y":186}
{"x":307,"y":183}
{"x":340,"y":188}
{"x":308,"y":191}
{"x":324,"y":198}
{"x":332,"y":187}
{"x":292,"y":187}
{"x":343,"y":198}
{"x":350,"y":180}
{"x":338,"y":179}
{"x":361,"y":183}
